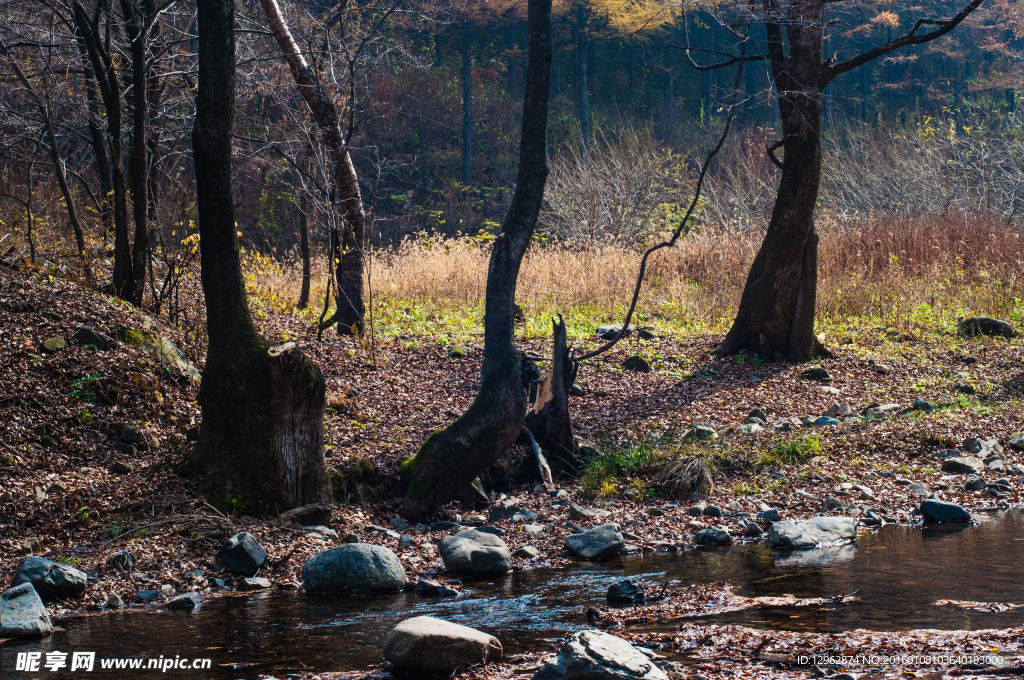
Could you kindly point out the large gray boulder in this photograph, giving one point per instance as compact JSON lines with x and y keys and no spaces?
{"x":475,"y":552}
{"x":22,"y":613}
{"x":810,"y":533}
{"x":431,"y":645}
{"x":609,"y":331}
{"x":600,"y":542}
{"x":963,"y":465}
{"x":52,"y":580}
{"x":939,"y":512}
{"x":242,"y":554}
{"x":354,"y":568}
{"x":595,"y":655}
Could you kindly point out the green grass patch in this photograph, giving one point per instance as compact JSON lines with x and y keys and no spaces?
{"x":790,"y":452}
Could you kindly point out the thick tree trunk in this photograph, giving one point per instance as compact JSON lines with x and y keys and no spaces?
{"x":135,"y":29}
{"x":350,"y":309}
{"x":776,"y":313}
{"x":451,"y":458}
{"x":261,"y":438}
{"x":467,"y":105}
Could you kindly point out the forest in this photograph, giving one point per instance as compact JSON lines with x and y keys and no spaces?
{"x":550,"y":339}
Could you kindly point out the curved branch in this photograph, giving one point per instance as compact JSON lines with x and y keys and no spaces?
{"x":730,"y":59}
{"x":912,"y":37}
{"x":684,"y":224}
{"x":771,"y":152}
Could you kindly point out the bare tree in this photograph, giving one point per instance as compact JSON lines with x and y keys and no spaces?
{"x":450,"y":459}
{"x":776,"y":312}
{"x":350,"y":308}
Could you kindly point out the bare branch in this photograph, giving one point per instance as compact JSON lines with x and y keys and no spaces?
{"x":912,"y":37}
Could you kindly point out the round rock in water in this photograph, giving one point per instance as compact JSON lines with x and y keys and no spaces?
{"x":431,"y":645}
{"x":598,"y":543}
{"x":475,"y":552}
{"x":354,"y":568}
{"x":595,"y":655}
{"x":939,"y":512}
{"x":810,"y":533}
{"x":625,"y":591}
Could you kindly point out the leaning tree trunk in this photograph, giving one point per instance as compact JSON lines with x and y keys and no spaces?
{"x":350,"y":311}
{"x":451,"y":458}
{"x":776,"y":313}
{"x":261,"y":438}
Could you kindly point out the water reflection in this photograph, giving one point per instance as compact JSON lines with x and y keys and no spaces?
{"x":899,"y":572}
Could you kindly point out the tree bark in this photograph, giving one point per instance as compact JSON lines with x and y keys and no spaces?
{"x":261,"y":439}
{"x":304,"y":251}
{"x":451,"y":458}
{"x":135,"y":28}
{"x":548,"y":419}
{"x":776,"y":313}
{"x":350,"y":307}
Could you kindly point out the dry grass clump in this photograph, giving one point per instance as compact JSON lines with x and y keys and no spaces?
{"x":682,"y":475}
{"x":900,"y":271}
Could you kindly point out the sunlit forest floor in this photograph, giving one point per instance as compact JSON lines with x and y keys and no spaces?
{"x":890,"y":295}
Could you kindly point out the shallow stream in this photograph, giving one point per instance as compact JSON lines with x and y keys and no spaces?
{"x":900,"y":573}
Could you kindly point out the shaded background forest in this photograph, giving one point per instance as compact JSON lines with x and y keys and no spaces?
{"x":933,"y":131}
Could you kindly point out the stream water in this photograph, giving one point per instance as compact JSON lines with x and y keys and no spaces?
{"x":900,"y":573}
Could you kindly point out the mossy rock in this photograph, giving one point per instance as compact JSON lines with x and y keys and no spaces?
{"x":817,"y":373}
{"x":166,"y":351}
{"x":133,"y":337}
{"x":53,"y":345}
{"x":359,"y":479}
{"x":458,"y":351}
{"x":636,"y":364}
